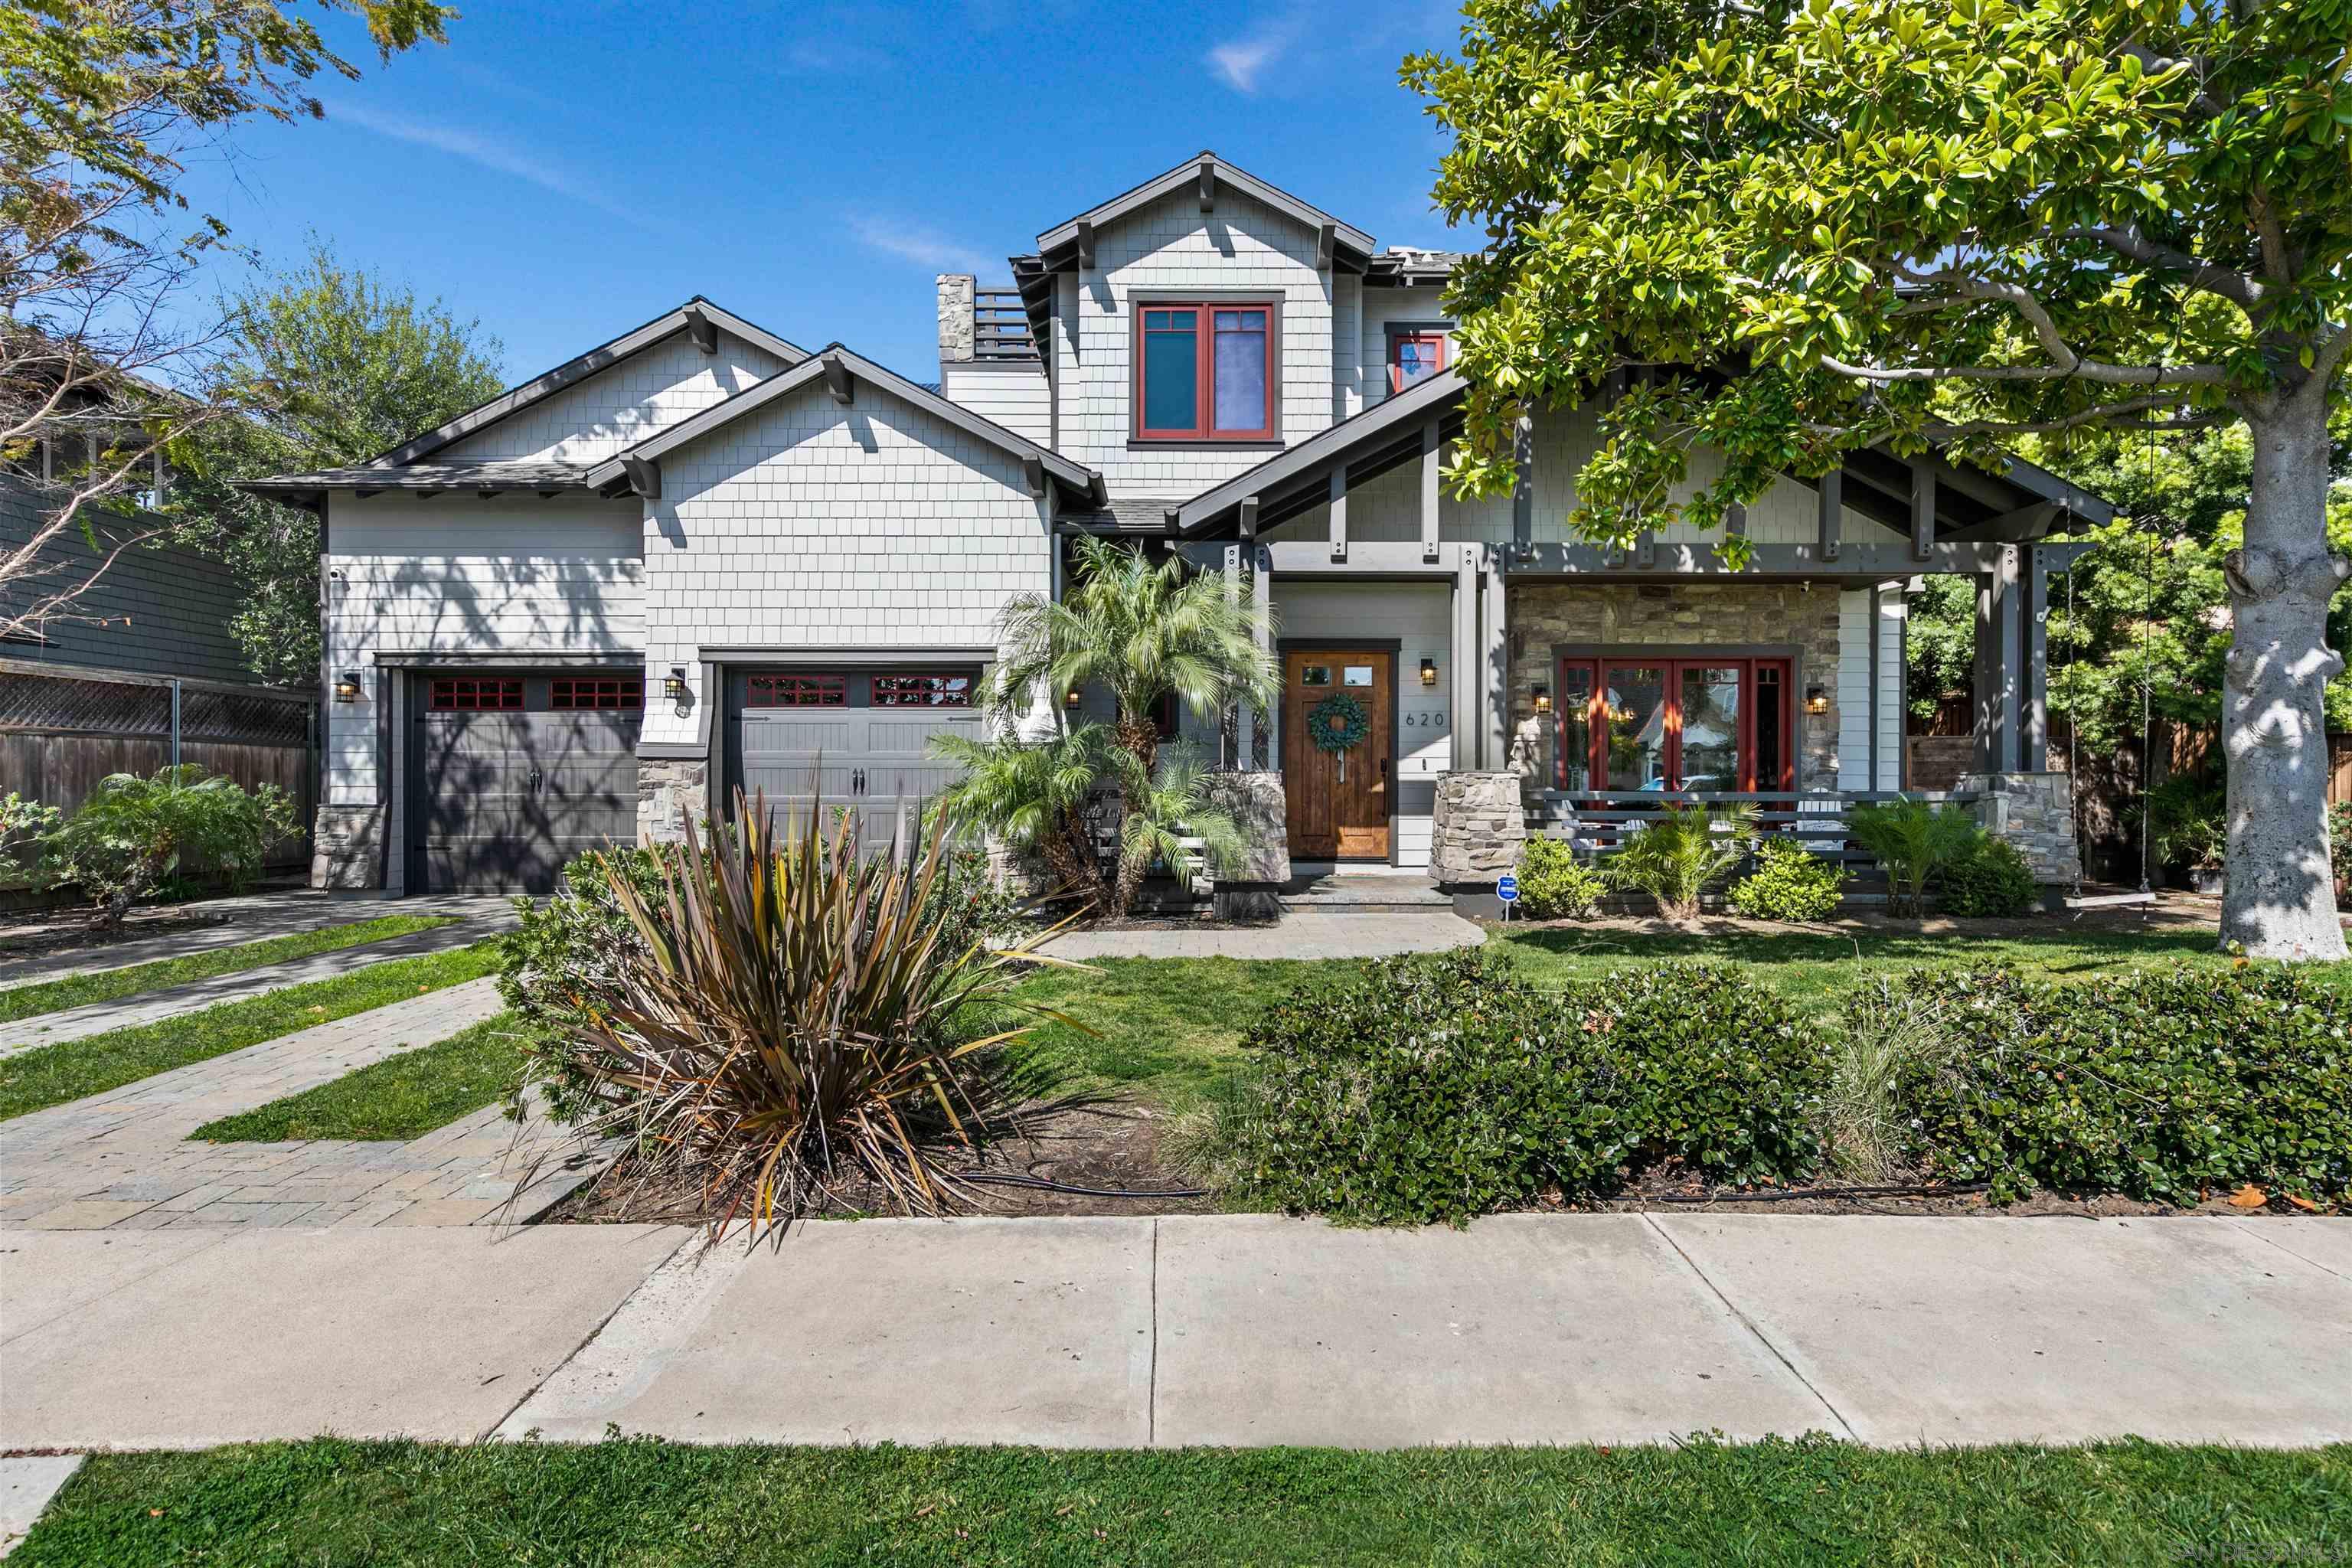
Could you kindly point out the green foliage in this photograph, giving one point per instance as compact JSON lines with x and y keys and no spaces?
{"x":22,"y":823}
{"x":1140,"y":632}
{"x":1865,"y":223}
{"x":1913,"y":841}
{"x":2166,"y":1085}
{"x":1678,"y":857}
{"x":787,"y":1021}
{"x":398,"y":1097}
{"x":1990,"y":881}
{"x":1034,"y":794}
{"x":1555,"y":885}
{"x":331,"y":365}
{"x":1790,"y":883}
{"x":133,"y":837}
{"x":1166,"y":809}
{"x":2339,"y":839}
{"x":2188,"y":821}
{"x":1444,"y":1086}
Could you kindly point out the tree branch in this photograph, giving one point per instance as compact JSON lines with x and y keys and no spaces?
{"x":2236,"y":287}
{"x":2082,"y":370}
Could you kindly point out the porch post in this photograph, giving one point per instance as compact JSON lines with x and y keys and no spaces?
{"x":1429,"y":476}
{"x":1253,"y":756}
{"x":1242,"y":716}
{"x":1493,"y":665}
{"x":1523,"y":487}
{"x":1463,"y":719}
{"x":2001,"y":648}
{"x":1339,"y":512}
{"x":2035,"y":618}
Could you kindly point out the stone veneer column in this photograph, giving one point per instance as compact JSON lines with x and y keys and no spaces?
{"x":1261,"y":810}
{"x":346,"y":846}
{"x":956,"y":303}
{"x":669,"y":794}
{"x":2036,"y":813}
{"x":1480,"y":829}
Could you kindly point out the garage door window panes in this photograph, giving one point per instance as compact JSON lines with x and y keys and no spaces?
{"x":470,"y":695}
{"x":922,"y":692}
{"x":796,"y":692}
{"x":577,"y":691}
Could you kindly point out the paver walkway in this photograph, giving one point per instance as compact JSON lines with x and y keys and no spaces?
{"x":1233,"y":1329}
{"x":253,"y":917}
{"x":148,"y":1007}
{"x":1304,"y":933}
{"x":123,"y":1160}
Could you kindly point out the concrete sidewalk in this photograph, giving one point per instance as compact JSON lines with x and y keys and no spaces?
{"x":245,"y":918}
{"x":1242,"y":1329}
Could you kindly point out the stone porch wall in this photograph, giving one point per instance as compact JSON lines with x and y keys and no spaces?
{"x":1480,"y":830}
{"x":347,"y":848}
{"x":669,"y":794}
{"x":1548,"y":615}
{"x":2036,"y":813}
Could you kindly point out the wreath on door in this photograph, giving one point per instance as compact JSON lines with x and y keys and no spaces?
{"x":1337,"y":724}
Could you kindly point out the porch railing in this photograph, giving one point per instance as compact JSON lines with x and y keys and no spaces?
{"x":1598,"y":821}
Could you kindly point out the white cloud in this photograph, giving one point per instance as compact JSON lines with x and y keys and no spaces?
{"x":499,"y":157}
{"x":924,"y":246}
{"x":1239,"y":63}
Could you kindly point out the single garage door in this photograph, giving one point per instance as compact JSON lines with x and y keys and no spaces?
{"x":853,"y":739}
{"x":512,"y":775}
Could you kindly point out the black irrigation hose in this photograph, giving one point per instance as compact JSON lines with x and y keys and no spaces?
{"x":1792,"y":1194}
{"x":1006,"y":1179}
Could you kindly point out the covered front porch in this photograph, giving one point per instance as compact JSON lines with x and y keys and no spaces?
{"x":1458,"y":674}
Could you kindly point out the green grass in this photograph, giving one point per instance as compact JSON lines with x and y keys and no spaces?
{"x":400,"y":1096}
{"x":80,"y":990}
{"x":331,"y":1502}
{"x":52,"y":1075}
{"x":1169,"y":1028}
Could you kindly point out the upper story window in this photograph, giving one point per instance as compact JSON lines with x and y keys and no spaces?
{"x":1414,"y":357}
{"x":1204,"y":371}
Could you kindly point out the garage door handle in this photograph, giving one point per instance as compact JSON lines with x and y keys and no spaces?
{"x":535,"y":781}
{"x":858,"y":782}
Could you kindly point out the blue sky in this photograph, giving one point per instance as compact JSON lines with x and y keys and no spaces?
{"x":563,"y":171}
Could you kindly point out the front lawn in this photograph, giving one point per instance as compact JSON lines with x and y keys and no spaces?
{"x":400,"y":1096}
{"x":80,"y":990}
{"x":331,"y":1502}
{"x":53,"y":1075}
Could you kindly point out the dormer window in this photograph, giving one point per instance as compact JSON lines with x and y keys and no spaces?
{"x":1204,"y":370}
{"x":1414,"y":356}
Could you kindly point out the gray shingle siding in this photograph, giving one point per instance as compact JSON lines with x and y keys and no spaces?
{"x":179,"y":602}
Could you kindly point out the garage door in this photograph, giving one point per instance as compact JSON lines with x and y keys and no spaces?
{"x":512,"y":775}
{"x":854,"y":738}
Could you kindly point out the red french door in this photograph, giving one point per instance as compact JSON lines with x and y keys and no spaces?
{"x":1712,"y":725}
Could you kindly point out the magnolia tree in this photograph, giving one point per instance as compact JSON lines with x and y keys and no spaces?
{"x":1795,"y":231}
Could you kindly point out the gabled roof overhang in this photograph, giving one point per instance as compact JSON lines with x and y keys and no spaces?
{"x":2019,"y":504}
{"x":1205,"y":176}
{"x":697,"y":316}
{"x":842,"y":373}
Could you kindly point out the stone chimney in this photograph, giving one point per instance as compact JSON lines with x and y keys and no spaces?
{"x":956,"y":290}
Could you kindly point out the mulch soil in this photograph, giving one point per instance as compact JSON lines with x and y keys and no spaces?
{"x":48,"y":932}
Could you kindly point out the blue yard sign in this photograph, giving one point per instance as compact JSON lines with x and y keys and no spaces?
{"x":1507,"y":889}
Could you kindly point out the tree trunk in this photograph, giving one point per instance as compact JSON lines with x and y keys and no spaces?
{"x":2279,"y":900}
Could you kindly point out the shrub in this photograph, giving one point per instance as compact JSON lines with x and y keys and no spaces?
{"x":2339,"y":839}
{"x":2161,"y":1085}
{"x":21,"y":822}
{"x":2187,"y":821}
{"x":1991,"y":882}
{"x":788,"y":1022}
{"x":1442,"y":1086}
{"x":1555,"y":885}
{"x":1790,"y":883}
{"x":1912,"y":841}
{"x":134,"y":836}
{"x":1677,"y":858}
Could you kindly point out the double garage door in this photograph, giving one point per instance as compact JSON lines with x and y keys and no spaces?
{"x":855,"y":740}
{"x":512,"y":775}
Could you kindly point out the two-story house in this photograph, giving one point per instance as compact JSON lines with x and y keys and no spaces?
{"x":700,"y":557}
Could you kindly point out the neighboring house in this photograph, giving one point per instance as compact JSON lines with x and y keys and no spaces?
{"x":700,"y":558}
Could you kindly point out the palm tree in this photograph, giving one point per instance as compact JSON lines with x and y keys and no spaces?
{"x":1033,"y":794}
{"x":1139,"y":632}
{"x":1162,"y":812}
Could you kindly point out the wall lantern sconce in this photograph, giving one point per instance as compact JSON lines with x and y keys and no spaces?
{"x":347,"y":690}
{"x":675,"y":687}
{"x":1543,"y":699}
{"x":1429,"y":672}
{"x":1816,"y":699}
{"x":1070,"y":698}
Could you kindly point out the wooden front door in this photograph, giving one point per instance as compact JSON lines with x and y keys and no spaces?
{"x":1338,"y":798}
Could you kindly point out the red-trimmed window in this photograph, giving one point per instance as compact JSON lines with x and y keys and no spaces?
{"x":1205,"y":372}
{"x":1414,"y":356}
{"x":596,"y":691}
{"x":796,"y":692}
{"x":475,"y":694}
{"x":922,"y":692}
{"x":1706,"y":725}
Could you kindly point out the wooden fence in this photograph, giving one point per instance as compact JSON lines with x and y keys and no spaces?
{"x":63,"y":728}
